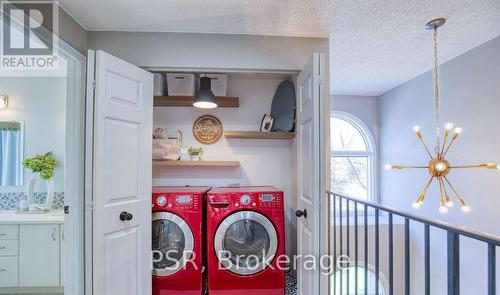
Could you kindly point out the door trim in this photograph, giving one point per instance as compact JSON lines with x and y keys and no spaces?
{"x":188,"y":243}
{"x":245,"y":215}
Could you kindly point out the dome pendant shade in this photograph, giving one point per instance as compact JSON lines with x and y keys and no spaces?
{"x":205,"y":98}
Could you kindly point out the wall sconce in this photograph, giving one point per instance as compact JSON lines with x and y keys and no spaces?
{"x":4,"y":101}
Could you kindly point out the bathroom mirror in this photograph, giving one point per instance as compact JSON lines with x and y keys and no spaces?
{"x":11,"y":153}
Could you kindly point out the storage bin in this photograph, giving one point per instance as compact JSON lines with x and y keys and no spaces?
{"x":219,"y":84}
{"x":180,"y":84}
{"x":159,"y":84}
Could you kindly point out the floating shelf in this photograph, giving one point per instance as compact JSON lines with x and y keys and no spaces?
{"x":258,"y":135}
{"x":196,"y":163}
{"x":187,"y":101}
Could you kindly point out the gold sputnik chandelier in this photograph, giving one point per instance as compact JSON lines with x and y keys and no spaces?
{"x":438,"y":167}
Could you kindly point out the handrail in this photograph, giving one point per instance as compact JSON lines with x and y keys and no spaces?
{"x":488,"y":238}
{"x":452,"y":244}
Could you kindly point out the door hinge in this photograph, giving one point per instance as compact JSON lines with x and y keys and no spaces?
{"x":320,"y":81}
{"x":93,"y":84}
{"x":90,"y":205}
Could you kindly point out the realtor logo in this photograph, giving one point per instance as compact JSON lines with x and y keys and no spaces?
{"x":28,"y":35}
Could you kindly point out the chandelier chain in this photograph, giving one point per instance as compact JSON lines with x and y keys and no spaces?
{"x":436,"y":92}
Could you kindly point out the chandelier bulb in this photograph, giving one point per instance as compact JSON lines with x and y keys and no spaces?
{"x":465,"y":209}
{"x":443,"y":209}
{"x":388,"y":167}
{"x":458,"y":130}
{"x":449,"y":204}
{"x":449,"y":126}
{"x":416,"y":129}
{"x":498,"y":166}
{"x":416,"y":205}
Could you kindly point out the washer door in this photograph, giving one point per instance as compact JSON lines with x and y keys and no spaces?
{"x":173,"y":243}
{"x":246,"y":242}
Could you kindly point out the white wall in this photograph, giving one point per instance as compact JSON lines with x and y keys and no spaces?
{"x":263,"y":162}
{"x":470,"y":88}
{"x":208,"y":50}
{"x":40,"y":103}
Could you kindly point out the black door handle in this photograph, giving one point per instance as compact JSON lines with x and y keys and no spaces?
{"x":300,"y":213}
{"x":125,"y":216}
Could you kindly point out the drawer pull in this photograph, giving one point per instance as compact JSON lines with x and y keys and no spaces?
{"x":3,"y":270}
{"x":2,"y":235}
{"x":2,"y":248}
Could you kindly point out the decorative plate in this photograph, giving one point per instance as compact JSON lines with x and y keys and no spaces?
{"x":207,"y":129}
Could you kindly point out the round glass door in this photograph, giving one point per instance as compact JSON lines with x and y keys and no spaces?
{"x":172,"y":243}
{"x":246,"y":242}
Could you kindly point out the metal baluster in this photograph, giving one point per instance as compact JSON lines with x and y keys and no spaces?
{"x":453,"y":263}
{"x":366,"y":249}
{"x":427,"y":260}
{"x":491,"y":269}
{"x":348,"y":248}
{"x":356,"y":248}
{"x":391,"y":256}
{"x":335,"y":244}
{"x":341,"y":245}
{"x":407,"y":256}
{"x":377,"y":250}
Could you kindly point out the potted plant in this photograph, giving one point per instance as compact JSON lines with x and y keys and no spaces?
{"x":195,"y":153}
{"x":43,"y":168}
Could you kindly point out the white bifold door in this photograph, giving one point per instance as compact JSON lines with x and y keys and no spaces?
{"x":119,"y":115}
{"x":312,"y":108}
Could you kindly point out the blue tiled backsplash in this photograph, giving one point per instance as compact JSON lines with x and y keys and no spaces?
{"x":10,"y":201}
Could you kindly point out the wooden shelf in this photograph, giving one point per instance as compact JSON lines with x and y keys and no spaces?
{"x":187,"y":101}
{"x":258,"y":135}
{"x":196,"y":163}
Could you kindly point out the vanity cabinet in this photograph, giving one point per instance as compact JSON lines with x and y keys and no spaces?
{"x":31,"y":257}
{"x":39,"y":255}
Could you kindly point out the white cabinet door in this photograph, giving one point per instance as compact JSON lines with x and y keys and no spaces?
{"x":9,"y":271}
{"x":122,"y":144}
{"x":39,"y":257}
{"x":311,"y":189}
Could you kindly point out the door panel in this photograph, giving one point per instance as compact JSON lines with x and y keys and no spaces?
{"x":310,"y":175}
{"x":121,"y":180}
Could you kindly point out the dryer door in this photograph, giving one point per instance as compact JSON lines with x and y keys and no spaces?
{"x":246,"y":242}
{"x":173,"y":243}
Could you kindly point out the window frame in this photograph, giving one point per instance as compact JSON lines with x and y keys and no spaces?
{"x":371,"y":152}
{"x":382,"y":277}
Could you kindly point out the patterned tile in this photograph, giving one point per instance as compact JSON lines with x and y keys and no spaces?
{"x":291,"y":283}
{"x":10,"y":201}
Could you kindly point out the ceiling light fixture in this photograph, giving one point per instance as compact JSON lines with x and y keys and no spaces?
{"x":438,"y":167}
{"x":205,"y":98}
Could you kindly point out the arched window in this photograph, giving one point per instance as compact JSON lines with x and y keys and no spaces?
{"x":352,"y":157}
{"x":343,"y":275}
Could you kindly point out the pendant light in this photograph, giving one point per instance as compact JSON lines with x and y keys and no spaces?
{"x":438,"y":167}
{"x":205,"y":98}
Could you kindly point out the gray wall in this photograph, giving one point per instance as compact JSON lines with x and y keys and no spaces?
{"x":208,"y":50}
{"x":72,"y":32}
{"x":470,"y":89}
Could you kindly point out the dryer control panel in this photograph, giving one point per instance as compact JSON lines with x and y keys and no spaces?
{"x":177,"y":201}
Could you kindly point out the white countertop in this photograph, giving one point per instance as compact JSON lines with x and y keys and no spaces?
{"x":11,"y":217}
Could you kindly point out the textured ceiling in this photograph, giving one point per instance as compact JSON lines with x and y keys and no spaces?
{"x":255,"y":17}
{"x":375,"y":45}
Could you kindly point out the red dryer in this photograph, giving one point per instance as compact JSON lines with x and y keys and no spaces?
{"x":245,"y":235}
{"x":178,"y":240}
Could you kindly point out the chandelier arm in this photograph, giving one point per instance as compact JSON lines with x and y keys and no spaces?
{"x":446,"y":196}
{"x":421,"y":138}
{"x":426,"y":189}
{"x":449,"y":145}
{"x":446,"y":134}
{"x":399,"y":167}
{"x":460,"y":199}
{"x":479,"y":166}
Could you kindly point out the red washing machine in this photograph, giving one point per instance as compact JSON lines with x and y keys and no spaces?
{"x":245,"y":235}
{"x":178,"y":240}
